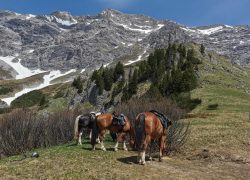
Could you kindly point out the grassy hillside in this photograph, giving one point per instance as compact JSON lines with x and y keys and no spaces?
{"x":218,"y":146}
{"x":224,"y":84}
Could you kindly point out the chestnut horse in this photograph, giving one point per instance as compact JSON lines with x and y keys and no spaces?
{"x":148,"y":127}
{"x":105,"y":122}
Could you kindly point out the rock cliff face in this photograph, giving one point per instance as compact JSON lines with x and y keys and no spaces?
{"x":61,"y":41}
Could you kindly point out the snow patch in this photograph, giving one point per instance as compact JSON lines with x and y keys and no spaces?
{"x":83,"y":70}
{"x":65,"y":22}
{"x":105,"y":65}
{"x":46,"y":82}
{"x":188,"y":30}
{"x":227,"y":26}
{"x":142,"y":29}
{"x":30,"y":16}
{"x":210,"y":30}
{"x":23,"y":72}
{"x":61,"y":21}
{"x":138,"y":59}
{"x":242,"y":42}
{"x":30,"y":51}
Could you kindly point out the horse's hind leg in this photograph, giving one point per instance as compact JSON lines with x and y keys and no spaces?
{"x":102,"y":133}
{"x":161,"y":146}
{"x":143,"y":153}
{"x":124,"y":146}
{"x":150,"y":151}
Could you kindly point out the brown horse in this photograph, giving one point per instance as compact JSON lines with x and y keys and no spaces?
{"x":106,"y":122}
{"x":148,"y":127}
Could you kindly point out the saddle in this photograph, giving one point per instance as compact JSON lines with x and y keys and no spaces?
{"x":164,"y":120}
{"x":118,"y":120}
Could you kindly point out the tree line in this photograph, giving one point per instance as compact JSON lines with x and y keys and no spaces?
{"x":171,"y":71}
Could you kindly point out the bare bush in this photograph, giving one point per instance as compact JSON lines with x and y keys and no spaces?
{"x":24,"y":130}
{"x":177,"y":133}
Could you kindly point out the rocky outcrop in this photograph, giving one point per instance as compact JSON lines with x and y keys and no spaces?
{"x":3,"y":104}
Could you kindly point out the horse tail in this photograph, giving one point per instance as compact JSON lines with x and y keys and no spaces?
{"x":140,"y":131}
{"x":95,"y":132}
{"x":76,"y":127}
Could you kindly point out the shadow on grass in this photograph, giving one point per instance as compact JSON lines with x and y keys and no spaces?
{"x":128,"y":160}
{"x":76,"y":144}
{"x":88,"y":148}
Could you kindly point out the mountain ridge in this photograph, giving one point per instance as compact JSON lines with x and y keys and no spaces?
{"x":61,"y":41}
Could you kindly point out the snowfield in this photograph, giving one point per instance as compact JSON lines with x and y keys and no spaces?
{"x":23,"y":72}
{"x":46,"y":82}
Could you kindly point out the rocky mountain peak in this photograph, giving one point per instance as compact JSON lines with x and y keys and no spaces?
{"x":61,"y":41}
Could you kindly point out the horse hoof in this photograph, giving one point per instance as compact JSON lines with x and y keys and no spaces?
{"x":104,"y":149}
{"x":115,"y":149}
{"x":143,"y":163}
{"x":150,"y":158}
{"x":125,"y":149}
{"x":160,"y":159}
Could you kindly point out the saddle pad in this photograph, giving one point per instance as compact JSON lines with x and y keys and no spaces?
{"x":164,"y":120}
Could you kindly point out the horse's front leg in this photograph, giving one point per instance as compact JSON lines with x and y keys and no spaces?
{"x":116,"y":145}
{"x":124,"y":142}
{"x":80,"y":137}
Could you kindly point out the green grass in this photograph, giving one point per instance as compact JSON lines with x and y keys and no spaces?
{"x":69,"y":162}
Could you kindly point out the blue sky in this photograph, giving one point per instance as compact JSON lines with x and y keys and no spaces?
{"x":188,"y":12}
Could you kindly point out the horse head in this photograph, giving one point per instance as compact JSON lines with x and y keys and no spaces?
{"x":118,"y":120}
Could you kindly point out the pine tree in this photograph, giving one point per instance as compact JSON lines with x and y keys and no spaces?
{"x":80,"y":87}
{"x":202,"y":49}
{"x":125,"y":94}
{"x":43,"y":101}
{"x":100,"y":83}
{"x":118,"y":71}
{"x":108,"y":79}
{"x":94,"y":75}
